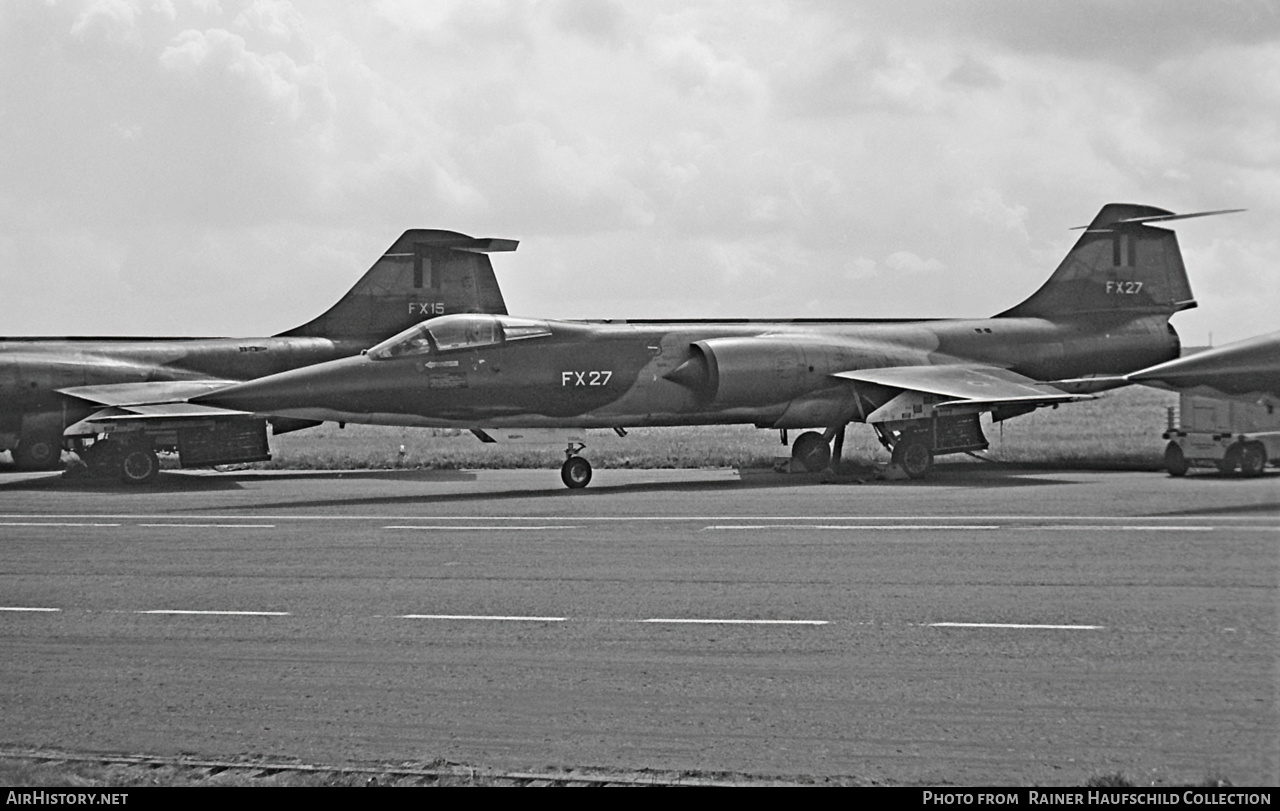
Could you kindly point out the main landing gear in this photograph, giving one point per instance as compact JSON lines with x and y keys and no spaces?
{"x":819,"y":451}
{"x":911,"y":450}
{"x":576,"y":471}
{"x":812,"y":451}
{"x":38,"y":452}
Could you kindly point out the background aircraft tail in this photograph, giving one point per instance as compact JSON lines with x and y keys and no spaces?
{"x":1121,"y":264}
{"x":425,"y":273}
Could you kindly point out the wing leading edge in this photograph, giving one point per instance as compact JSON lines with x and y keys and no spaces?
{"x":150,"y":393}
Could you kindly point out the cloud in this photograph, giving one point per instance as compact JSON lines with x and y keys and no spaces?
{"x":907,"y":262}
{"x":111,"y":20}
{"x":975,"y":73}
{"x":660,"y":158}
{"x":1137,"y":35}
{"x":572,"y":182}
{"x":605,"y":22}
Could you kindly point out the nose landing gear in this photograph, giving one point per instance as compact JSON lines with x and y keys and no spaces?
{"x":576,"y":471}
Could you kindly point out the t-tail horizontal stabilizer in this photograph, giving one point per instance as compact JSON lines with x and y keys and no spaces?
{"x":1159,"y":218}
{"x":1121,"y":265}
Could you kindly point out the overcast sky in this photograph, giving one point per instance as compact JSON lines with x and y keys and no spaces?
{"x":231,"y":167}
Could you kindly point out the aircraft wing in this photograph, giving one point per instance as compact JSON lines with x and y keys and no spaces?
{"x":151,"y":402}
{"x":160,"y":416}
{"x":151,"y":393}
{"x":1248,"y":369}
{"x":162,"y":406}
{"x":965,"y":386}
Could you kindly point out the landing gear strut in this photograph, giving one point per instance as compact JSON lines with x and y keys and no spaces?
{"x":576,"y":471}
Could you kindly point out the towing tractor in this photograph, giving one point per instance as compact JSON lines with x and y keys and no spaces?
{"x":1235,"y":436}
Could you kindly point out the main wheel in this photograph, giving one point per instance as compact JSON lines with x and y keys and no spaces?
{"x":1175,"y":461}
{"x":38,"y":452}
{"x":1253,"y":459}
{"x":812,"y":451}
{"x":575,"y":472}
{"x":139,"y":466}
{"x":913,"y":455}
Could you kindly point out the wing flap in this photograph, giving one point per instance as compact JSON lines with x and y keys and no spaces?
{"x":963,"y":386}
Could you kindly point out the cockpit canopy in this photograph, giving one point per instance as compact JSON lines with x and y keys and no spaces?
{"x":450,"y":333}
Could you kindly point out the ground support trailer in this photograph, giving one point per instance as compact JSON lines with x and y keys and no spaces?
{"x":1236,"y":437}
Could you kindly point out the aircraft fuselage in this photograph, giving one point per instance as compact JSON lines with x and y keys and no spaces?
{"x":625,"y":374}
{"x":33,"y":369}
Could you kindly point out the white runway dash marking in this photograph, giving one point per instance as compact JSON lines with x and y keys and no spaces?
{"x":216,"y":613}
{"x":480,"y":617}
{"x":214,"y":526}
{"x":854,"y":526}
{"x":1015,"y":625}
{"x":53,"y":524}
{"x":24,"y":608}
{"x":1125,"y":528}
{"x":473,"y":529}
{"x":732,"y":621}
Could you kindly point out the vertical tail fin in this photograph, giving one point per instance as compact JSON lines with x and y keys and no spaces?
{"x":1120,"y":264}
{"x":423,"y":274}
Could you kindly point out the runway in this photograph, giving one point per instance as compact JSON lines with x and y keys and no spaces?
{"x":984,"y":626}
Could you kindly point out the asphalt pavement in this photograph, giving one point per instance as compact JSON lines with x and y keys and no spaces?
{"x":988,"y":626}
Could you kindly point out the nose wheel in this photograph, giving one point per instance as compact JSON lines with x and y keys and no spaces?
{"x":576,"y":471}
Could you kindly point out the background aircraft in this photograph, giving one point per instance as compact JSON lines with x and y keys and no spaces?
{"x":920,"y":384}
{"x":49,"y":384}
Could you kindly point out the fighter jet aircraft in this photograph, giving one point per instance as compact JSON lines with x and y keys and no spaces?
{"x":921,"y":385}
{"x":49,"y":384}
